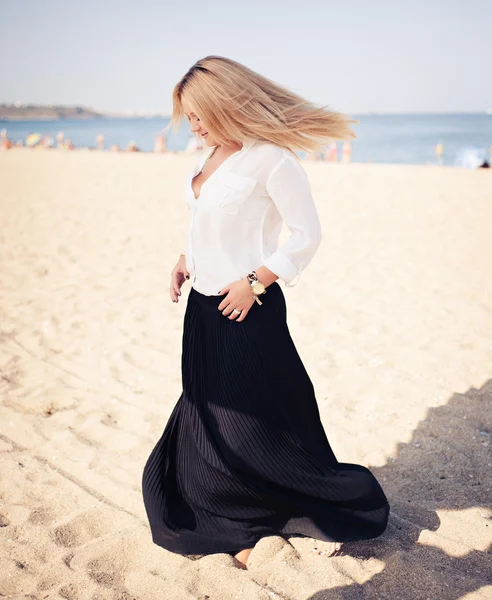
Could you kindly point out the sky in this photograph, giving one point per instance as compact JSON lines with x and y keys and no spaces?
{"x":356,"y":57}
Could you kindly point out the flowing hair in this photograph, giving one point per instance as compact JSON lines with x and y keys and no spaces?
{"x":237,"y":103}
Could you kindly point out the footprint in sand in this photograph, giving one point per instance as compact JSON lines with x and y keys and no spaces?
{"x":41,"y":516}
{"x":83,"y":528}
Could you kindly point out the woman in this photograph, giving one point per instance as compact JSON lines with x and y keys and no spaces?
{"x":244,"y":454}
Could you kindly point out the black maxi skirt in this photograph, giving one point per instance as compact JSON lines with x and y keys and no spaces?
{"x":244,"y":454}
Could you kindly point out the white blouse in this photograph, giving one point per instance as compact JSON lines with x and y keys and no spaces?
{"x":236,"y":221}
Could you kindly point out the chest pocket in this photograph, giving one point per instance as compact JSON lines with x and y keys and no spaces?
{"x":232,"y":191}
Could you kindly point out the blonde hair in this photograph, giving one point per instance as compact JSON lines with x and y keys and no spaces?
{"x":237,"y":103}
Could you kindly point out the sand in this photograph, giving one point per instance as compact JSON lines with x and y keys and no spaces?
{"x":392,"y":319}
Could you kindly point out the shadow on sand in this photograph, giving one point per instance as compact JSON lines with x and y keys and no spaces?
{"x":447,"y":466}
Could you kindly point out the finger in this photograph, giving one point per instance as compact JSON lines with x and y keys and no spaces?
{"x":224,"y":290}
{"x":228,"y":307}
{"x":234,"y":315}
{"x":176,"y":283}
{"x":242,"y":316}
{"x":224,"y":305}
{"x":175,"y":292}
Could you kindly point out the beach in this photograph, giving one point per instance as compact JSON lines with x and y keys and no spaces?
{"x":392,"y":320}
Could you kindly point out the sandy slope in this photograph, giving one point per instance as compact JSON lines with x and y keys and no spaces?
{"x":393,"y":321}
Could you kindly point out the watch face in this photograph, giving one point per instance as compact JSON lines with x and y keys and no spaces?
{"x":258,"y":287}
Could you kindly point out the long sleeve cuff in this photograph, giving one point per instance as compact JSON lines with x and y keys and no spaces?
{"x":279,"y":264}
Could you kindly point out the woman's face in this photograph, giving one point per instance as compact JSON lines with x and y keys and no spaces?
{"x":197,"y":126}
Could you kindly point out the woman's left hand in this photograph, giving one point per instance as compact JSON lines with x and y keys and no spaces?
{"x":240,"y":296}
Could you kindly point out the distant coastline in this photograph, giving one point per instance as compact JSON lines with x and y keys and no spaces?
{"x":37,"y":112}
{"x":52,"y":112}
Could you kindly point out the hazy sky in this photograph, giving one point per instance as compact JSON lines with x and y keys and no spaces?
{"x":357,"y":56}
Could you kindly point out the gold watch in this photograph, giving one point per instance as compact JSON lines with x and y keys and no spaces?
{"x":256,"y":286}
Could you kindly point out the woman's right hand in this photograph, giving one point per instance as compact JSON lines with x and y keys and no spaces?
{"x":178,"y":276}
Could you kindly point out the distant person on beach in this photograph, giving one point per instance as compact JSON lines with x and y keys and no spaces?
{"x":100,"y":141}
{"x":244,"y":454}
{"x":48,"y":141}
{"x":472,"y":158}
{"x":332,"y":154}
{"x":439,"y":150}
{"x":346,"y":152}
{"x":160,"y":143}
{"x":59,"y":139}
{"x":5,"y":143}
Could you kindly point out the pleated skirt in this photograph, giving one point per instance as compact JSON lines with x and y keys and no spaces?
{"x":244,"y":454}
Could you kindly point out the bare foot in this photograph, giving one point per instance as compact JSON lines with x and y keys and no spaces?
{"x":242,"y":557}
{"x":328,"y":548}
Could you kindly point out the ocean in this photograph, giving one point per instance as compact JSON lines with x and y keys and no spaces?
{"x":403,"y":139}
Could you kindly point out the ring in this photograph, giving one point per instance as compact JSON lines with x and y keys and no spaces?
{"x":236,"y":311}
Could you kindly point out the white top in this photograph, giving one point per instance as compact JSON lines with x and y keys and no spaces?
{"x":235,"y":224}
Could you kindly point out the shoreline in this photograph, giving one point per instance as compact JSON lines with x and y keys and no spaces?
{"x":193,"y":155}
